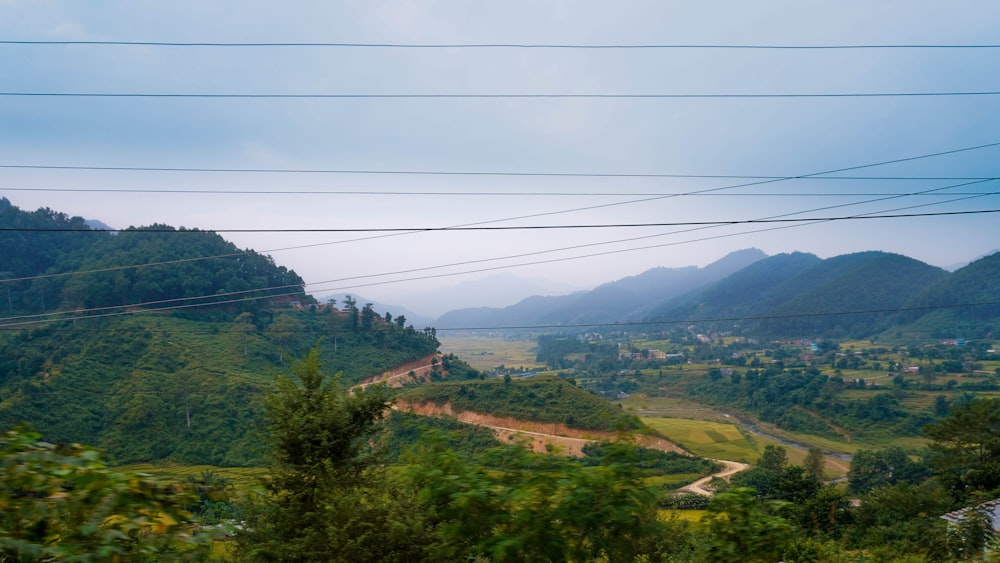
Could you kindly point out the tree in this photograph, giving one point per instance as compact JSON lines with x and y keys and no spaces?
{"x":61,"y":502}
{"x":508,"y":504}
{"x":283,"y":329}
{"x":965,"y":451}
{"x":878,"y":468}
{"x":814,"y":463}
{"x":245,"y":326}
{"x":774,"y":458}
{"x":327,"y":500}
{"x":743,"y":528}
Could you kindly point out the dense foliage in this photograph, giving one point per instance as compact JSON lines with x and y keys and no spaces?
{"x":61,"y":503}
{"x":402,"y":431}
{"x":181,"y":266}
{"x":540,"y":398}
{"x":166,"y":388}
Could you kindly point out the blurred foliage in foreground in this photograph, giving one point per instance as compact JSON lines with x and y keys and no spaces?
{"x":61,"y":503}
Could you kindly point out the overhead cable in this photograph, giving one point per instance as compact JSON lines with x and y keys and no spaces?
{"x":510,"y":45}
{"x":499,"y":228}
{"x":502,"y":173}
{"x":473,"y":96}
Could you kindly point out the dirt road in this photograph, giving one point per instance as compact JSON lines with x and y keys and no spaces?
{"x":419,"y":369}
{"x":732,"y":468}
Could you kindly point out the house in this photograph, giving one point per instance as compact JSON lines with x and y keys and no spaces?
{"x":992,"y":509}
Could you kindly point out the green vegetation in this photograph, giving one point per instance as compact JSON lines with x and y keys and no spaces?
{"x":539,"y":398}
{"x":325,"y":492}
{"x":835,"y":395}
{"x":486,"y":353}
{"x":61,"y":503}
{"x":158,"y":388}
{"x":403,"y":431}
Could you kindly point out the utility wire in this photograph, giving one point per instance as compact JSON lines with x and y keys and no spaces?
{"x":779,"y":179}
{"x":220,"y":191}
{"x":818,"y":175}
{"x":47,"y":317}
{"x":439,"y":95}
{"x":509,"y":227}
{"x":656,"y":322}
{"x":594,"y":46}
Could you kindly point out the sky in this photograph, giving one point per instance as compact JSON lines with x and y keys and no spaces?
{"x":590,"y":165}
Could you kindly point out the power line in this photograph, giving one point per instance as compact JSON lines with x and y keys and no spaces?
{"x":417,"y":96}
{"x":509,"y":227}
{"x":567,"y":46}
{"x":779,"y":179}
{"x":693,"y":320}
{"x":220,"y":191}
{"x":810,"y":221}
{"x":47,"y":317}
{"x":502,"y":173}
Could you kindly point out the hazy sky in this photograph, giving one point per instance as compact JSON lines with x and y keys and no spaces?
{"x":774,"y":137}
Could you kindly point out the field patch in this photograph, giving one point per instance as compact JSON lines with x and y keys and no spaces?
{"x":485,"y":353}
{"x":709,"y":439}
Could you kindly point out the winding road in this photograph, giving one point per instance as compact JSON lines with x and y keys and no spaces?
{"x":731,"y":468}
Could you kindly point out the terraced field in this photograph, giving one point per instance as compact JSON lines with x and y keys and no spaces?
{"x":713,"y":440}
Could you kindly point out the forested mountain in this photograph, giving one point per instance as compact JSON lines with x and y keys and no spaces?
{"x":181,"y":264}
{"x":630,"y":298}
{"x":137,"y":361}
{"x":784,"y":296}
{"x":978,"y":282}
{"x":798,"y":294}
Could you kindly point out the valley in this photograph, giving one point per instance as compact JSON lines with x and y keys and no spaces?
{"x":807,"y":394}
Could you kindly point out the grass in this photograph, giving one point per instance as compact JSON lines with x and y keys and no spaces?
{"x":705,"y":438}
{"x":674,"y":480}
{"x":485,"y":353}
{"x":692,"y":516}
{"x":240,"y":477}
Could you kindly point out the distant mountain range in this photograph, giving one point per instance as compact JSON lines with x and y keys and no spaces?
{"x":627,"y":299}
{"x":747,"y":291}
{"x":791,"y":295}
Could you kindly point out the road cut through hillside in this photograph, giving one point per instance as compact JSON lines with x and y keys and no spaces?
{"x":417,"y":370}
{"x":568,"y":440}
{"x":547,"y":436}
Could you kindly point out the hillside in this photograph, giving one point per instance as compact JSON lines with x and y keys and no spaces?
{"x":166,"y":361}
{"x":177,"y":266}
{"x":545,"y":399}
{"x":796,"y":295}
{"x":151,"y":388}
{"x":978,"y":282}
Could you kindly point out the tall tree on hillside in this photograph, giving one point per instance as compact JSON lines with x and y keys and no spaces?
{"x":327,"y":500}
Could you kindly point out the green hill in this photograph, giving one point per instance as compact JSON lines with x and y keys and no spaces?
{"x":165,"y":361}
{"x":541,"y":399}
{"x":978,"y":282}
{"x":799,"y":295}
{"x":151,"y":388}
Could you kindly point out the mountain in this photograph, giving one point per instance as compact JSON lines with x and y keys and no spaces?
{"x":800,"y":295}
{"x":959,"y":265}
{"x":499,"y":290}
{"x":171,"y":360}
{"x":97,"y":225}
{"x":629,"y":298}
{"x":978,"y":282}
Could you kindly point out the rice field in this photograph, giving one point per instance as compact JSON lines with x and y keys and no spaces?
{"x":705,"y":438}
{"x":240,"y":477}
{"x":485,"y":353}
